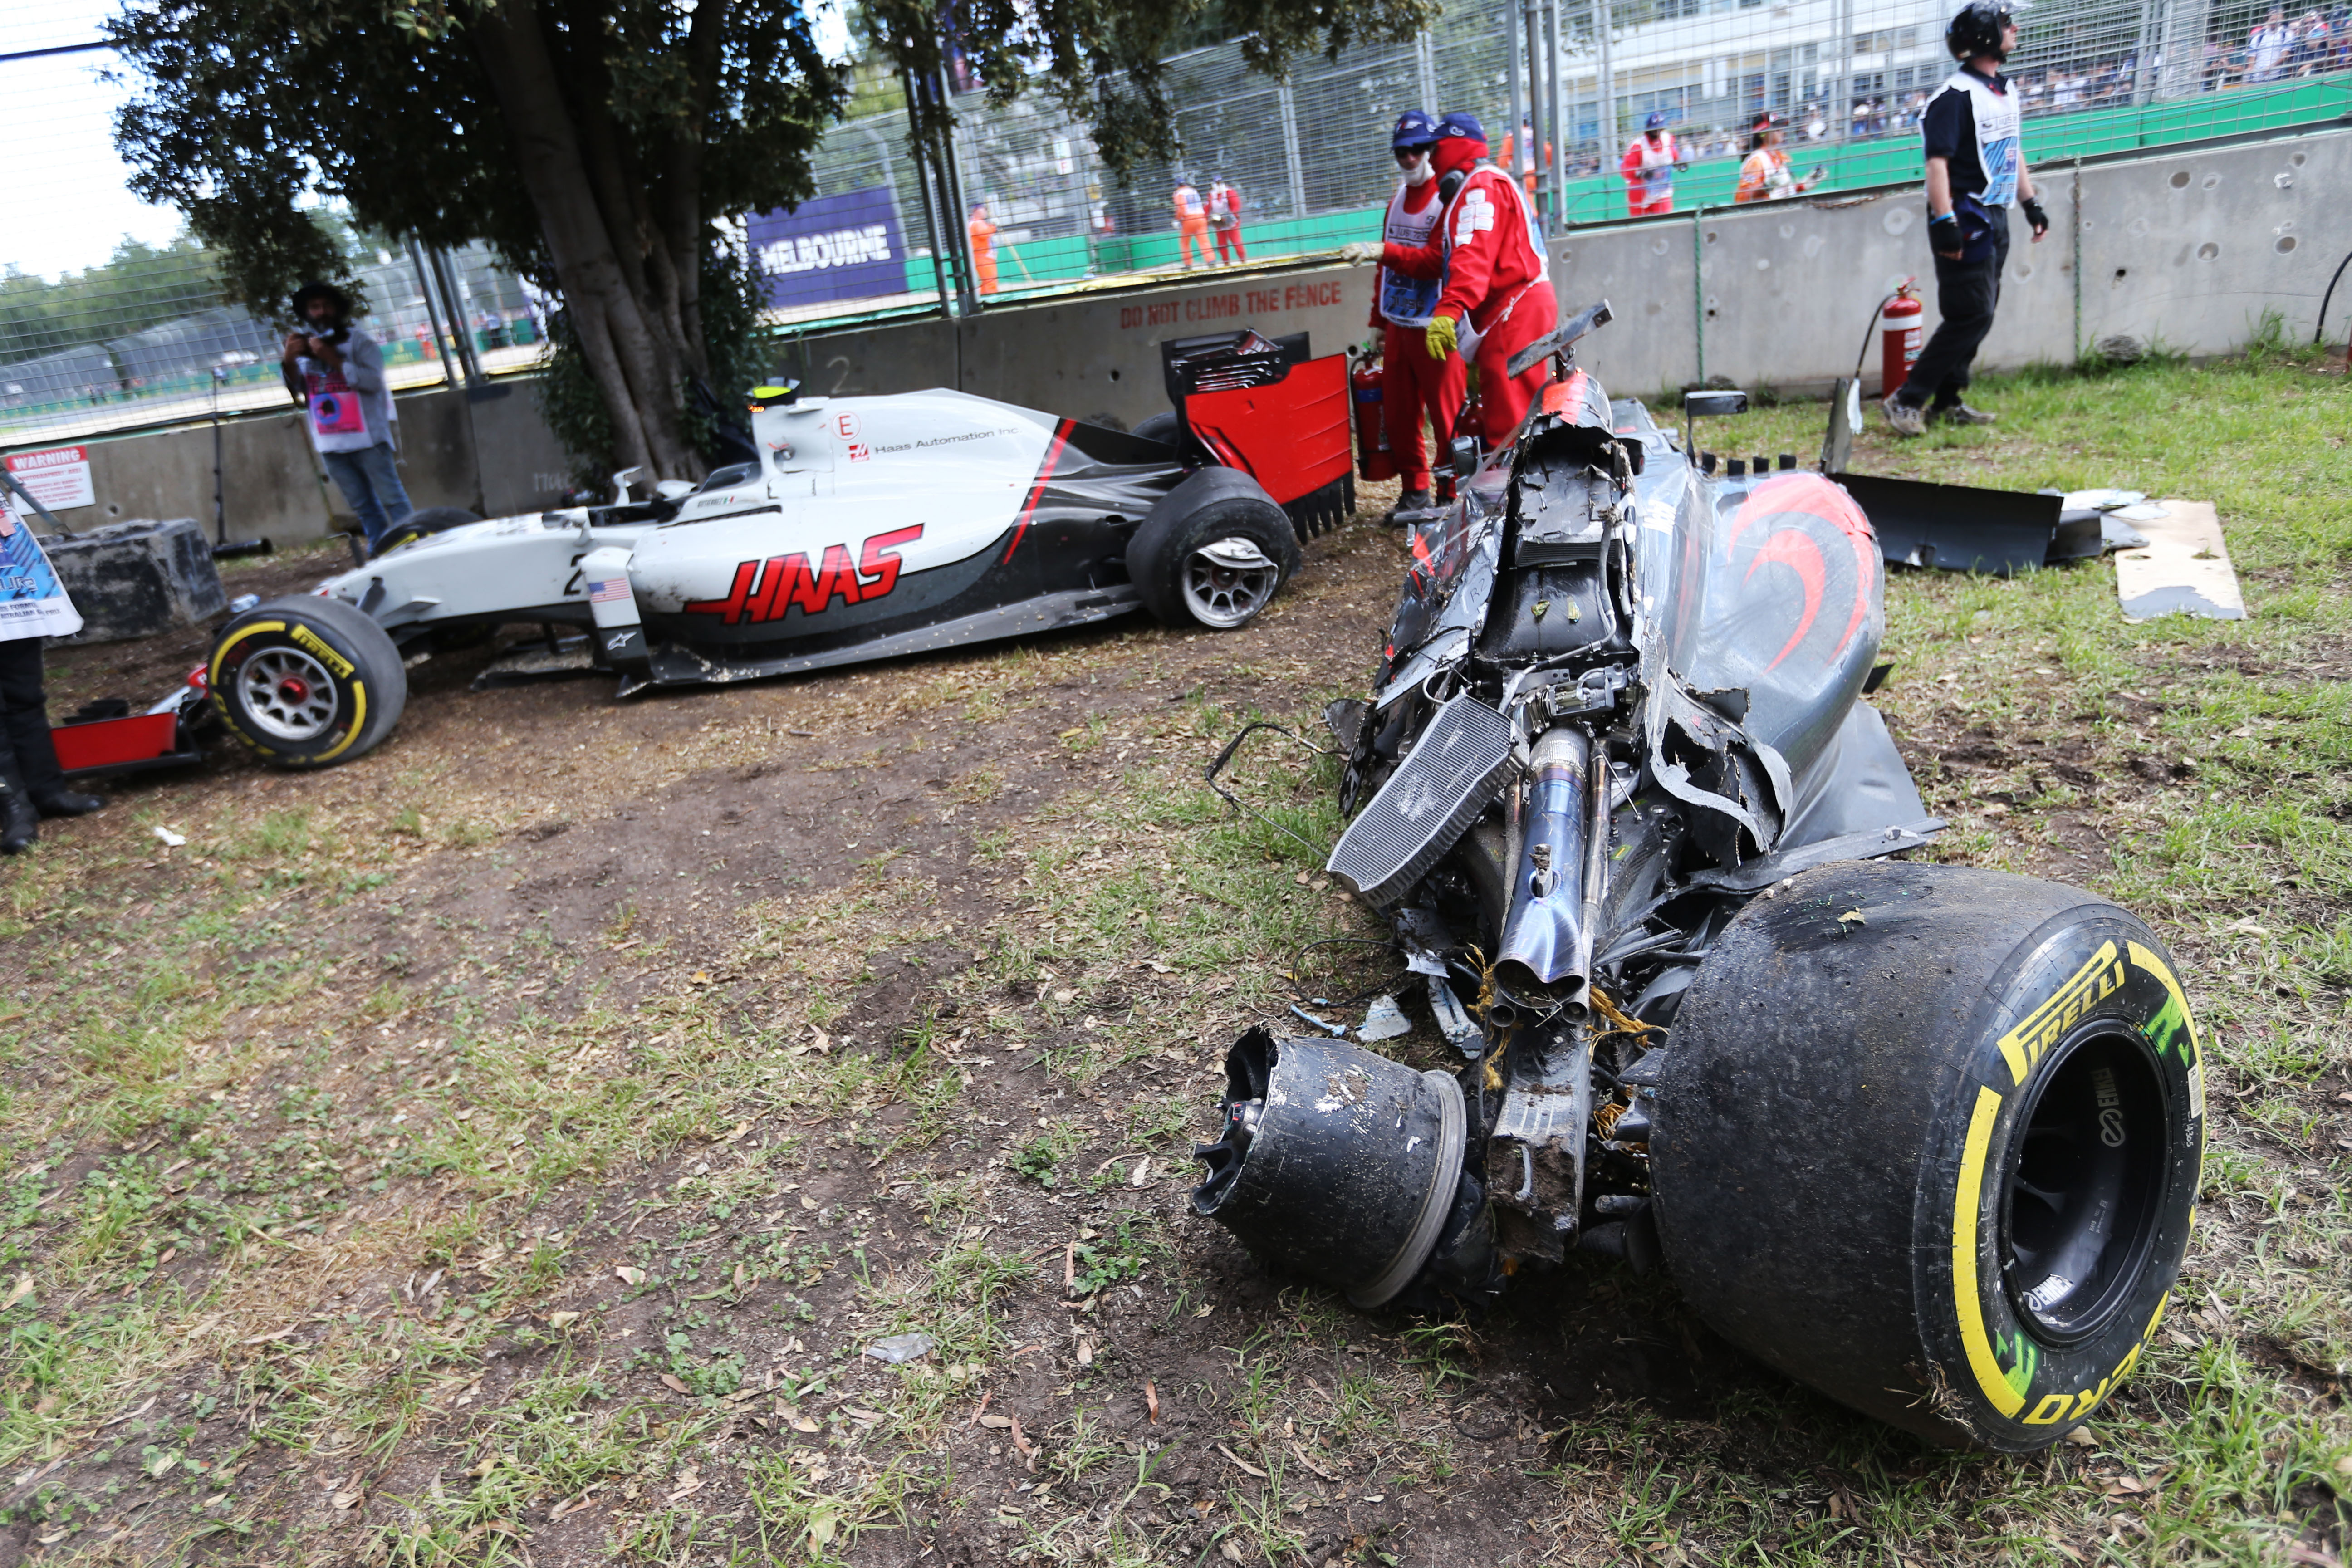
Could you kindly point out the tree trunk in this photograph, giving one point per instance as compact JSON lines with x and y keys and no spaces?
{"x":634,"y":348}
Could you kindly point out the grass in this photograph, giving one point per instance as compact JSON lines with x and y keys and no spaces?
{"x":322,"y":1178}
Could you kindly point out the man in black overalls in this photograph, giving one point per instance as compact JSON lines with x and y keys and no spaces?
{"x":1976,"y":170}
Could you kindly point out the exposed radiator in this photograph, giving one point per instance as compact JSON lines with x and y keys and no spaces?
{"x":1460,"y":763}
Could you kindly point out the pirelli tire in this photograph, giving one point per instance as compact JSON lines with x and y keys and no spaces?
{"x":1928,"y":1139}
{"x":307,"y":681}
{"x":1213,"y":552}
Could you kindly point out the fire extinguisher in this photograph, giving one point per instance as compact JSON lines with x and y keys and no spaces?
{"x":1374,"y":461}
{"x":1898,"y":338}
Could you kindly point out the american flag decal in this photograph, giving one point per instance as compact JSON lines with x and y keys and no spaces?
{"x":611,"y":591}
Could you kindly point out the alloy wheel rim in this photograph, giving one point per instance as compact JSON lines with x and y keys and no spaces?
{"x":287,"y":694}
{"x":1228,"y":582}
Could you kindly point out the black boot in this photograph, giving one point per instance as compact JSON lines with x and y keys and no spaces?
{"x":66,"y":803}
{"x":34,"y":776}
{"x":19,"y":822}
{"x":1411,"y":500}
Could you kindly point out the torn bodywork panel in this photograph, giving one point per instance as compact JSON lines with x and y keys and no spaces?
{"x":1964,"y":528}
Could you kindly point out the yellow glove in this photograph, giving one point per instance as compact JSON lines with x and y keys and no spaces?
{"x":1442,"y":341}
{"x":1360,"y":253}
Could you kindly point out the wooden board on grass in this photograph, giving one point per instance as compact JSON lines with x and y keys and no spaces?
{"x":2184,"y":569}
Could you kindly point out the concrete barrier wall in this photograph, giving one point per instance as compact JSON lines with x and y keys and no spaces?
{"x":2182,"y":249}
{"x":2186,"y":251}
{"x":487,"y":450}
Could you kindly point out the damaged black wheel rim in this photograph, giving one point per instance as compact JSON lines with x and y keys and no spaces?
{"x":2084,"y":1185}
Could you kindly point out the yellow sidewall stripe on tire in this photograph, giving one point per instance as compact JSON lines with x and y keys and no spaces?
{"x":358,"y":689}
{"x":1968,"y":1204}
{"x":2088,"y":986}
{"x":359,"y":722}
{"x":212,"y":675}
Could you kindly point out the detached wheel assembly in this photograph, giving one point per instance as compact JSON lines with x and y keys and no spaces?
{"x":1928,"y":1139}
{"x":307,"y":681}
{"x":1341,"y":1166}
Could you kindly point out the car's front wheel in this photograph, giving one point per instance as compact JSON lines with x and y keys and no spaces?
{"x":1927,"y":1138}
{"x":307,"y":681}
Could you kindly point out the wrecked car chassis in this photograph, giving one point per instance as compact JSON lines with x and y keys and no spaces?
{"x":1618,"y":797}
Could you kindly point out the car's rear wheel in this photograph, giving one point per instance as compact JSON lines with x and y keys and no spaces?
{"x":1927,"y":1138}
{"x":307,"y":681}
{"x":1163,"y":427}
{"x":422,"y":523}
{"x":1213,"y":553}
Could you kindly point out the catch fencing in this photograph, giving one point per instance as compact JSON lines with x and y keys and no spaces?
{"x":142,"y":339}
{"x":1309,"y":159}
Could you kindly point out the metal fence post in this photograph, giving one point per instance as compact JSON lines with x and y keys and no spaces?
{"x":1511,"y":113}
{"x":1602,"y":27}
{"x":930,"y":197}
{"x":2185,"y":25}
{"x":1538,"y":108}
{"x":1556,"y":59}
{"x":2144,"y":55}
{"x":1698,"y":290}
{"x":1425,"y":59}
{"x":959,"y":210}
{"x":1841,"y":108}
{"x":442,"y":348}
{"x":461,"y":335}
{"x":1290,"y":150}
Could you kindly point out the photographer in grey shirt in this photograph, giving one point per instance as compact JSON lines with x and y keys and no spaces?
{"x":338,"y":373}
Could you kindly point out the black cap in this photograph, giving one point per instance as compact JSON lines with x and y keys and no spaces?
{"x":339,"y":301}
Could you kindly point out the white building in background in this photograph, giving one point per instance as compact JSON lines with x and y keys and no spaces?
{"x":1716,"y":64}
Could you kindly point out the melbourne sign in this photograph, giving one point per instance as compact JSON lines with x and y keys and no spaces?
{"x":844,"y":247}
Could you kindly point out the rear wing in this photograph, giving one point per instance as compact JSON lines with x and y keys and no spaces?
{"x":1265,"y":406}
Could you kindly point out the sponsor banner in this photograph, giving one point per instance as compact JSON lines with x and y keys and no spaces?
{"x":844,"y":247}
{"x":57,"y":476}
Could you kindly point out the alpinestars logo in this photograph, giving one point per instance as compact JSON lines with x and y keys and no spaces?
{"x":764,"y":590}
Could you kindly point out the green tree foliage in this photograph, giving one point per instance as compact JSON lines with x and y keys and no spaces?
{"x":1101,"y":59}
{"x":592,"y":142}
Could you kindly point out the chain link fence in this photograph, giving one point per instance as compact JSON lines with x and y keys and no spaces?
{"x":1309,"y":163}
{"x":142,"y":339}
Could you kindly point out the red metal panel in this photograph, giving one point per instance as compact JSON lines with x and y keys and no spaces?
{"x":1292,"y":438}
{"x":110,"y":743}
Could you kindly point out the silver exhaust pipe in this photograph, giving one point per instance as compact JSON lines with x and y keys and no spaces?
{"x":1546,"y":947}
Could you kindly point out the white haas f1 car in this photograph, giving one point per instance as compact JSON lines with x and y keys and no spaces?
{"x":868,"y":527}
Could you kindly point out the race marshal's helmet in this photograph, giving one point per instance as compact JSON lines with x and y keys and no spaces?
{"x":1657,"y":120}
{"x":1461,"y":123}
{"x":1414,"y":128}
{"x":1978,"y":29}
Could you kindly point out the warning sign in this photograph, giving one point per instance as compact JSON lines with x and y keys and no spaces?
{"x":58,"y":477}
